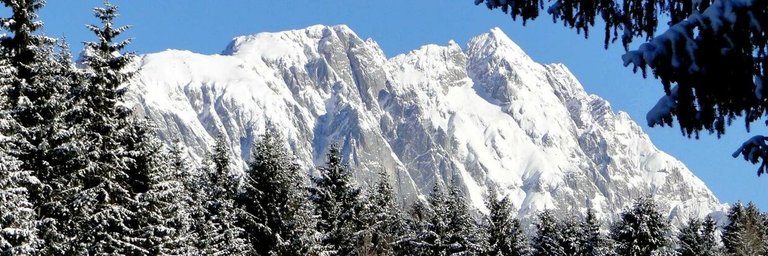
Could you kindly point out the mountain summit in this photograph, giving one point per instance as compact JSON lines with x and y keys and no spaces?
{"x":482,"y":116}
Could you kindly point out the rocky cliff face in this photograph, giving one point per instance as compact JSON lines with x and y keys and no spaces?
{"x":482,"y":116}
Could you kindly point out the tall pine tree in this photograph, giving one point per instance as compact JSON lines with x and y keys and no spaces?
{"x":274,"y":201}
{"x":745,"y":233}
{"x":218,"y":232}
{"x":505,"y":236}
{"x":593,"y":242}
{"x":548,"y":240}
{"x":641,"y":230}
{"x":37,"y":78}
{"x":463,"y":236}
{"x":382,"y":221}
{"x":18,"y":220}
{"x":337,"y":204}
{"x":697,"y":238}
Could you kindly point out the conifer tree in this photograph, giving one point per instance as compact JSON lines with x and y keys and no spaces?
{"x":710,"y":245}
{"x":274,"y":201}
{"x":382,"y":221}
{"x":690,"y":239}
{"x":418,"y":238}
{"x":163,"y":223}
{"x":641,"y":230}
{"x":592,"y":241}
{"x":571,"y":235}
{"x":120,"y":153}
{"x":548,"y":240}
{"x":697,"y":238}
{"x":745,"y":233}
{"x":337,"y":204}
{"x":218,"y":233}
{"x":18,"y":220}
{"x":462,"y":236}
{"x":505,"y":237}
{"x":36,"y":79}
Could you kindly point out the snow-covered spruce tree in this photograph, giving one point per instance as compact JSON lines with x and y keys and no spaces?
{"x":274,"y":200}
{"x":118,"y":207}
{"x":18,"y":219}
{"x":382,"y":221}
{"x":162,"y":220}
{"x":641,"y":230}
{"x":571,"y":234}
{"x":711,"y":60}
{"x":337,"y":204}
{"x":548,"y":239}
{"x":36,"y":79}
{"x":218,"y":232}
{"x":593,"y":242}
{"x":745,"y":233}
{"x":418,"y":237}
{"x":697,"y":238}
{"x":505,"y":236}
{"x":463,"y":237}
{"x":709,"y":237}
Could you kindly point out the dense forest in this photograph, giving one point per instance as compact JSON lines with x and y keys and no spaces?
{"x":81,"y":175}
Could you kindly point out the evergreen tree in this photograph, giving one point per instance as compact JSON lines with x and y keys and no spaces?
{"x":120,"y":155}
{"x":745,"y":233}
{"x":548,"y":240}
{"x":36,"y":79}
{"x":641,"y":230}
{"x":698,"y":238}
{"x":162,"y":218}
{"x":274,"y":201}
{"x":710,"y":245}
{"x":690,"y":239}
{"x":592,"y":241}
{"x":572,"y":236}
{"x":18,"y":220}
{"x":505,"y":236}
{"x":193,"y":185}
{"x":462,"y":236}
{"x":218,"y":233}
{"x":418,"y":238}
{"x":337,"y":205}
{"x":382,"y":221}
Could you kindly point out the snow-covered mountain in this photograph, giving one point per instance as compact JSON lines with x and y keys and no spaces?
{"x":484,"y":115}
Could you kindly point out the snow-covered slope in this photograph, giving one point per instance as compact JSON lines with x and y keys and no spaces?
{"x":486,"y":115}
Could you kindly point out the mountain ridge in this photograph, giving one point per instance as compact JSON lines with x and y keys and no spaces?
{"x":434,"y":114}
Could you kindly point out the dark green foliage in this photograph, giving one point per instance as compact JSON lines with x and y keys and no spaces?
{"x":35,"y":80}
{"x":382,"y":221}
{"x":549,"y":239}
{"x":593,"y":242}
{"x":337,"y":204}
{"x":443,"y":226}
{"x":462,"y":233}
{"x":18,"y":220}
{"x":745,"y":233}
{"x":505,"y":236}
{"x":641,"y":230}
{"x":698,"y":238}
{"x":217,"y":232}
{"x":274,"y":200}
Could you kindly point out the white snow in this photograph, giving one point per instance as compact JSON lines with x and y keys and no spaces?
{"x":487,"y":114}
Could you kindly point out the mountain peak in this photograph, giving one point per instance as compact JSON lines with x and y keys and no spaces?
{"x":483,"y":117}
{"x":272,"y":45}
{"x":496,"y":42}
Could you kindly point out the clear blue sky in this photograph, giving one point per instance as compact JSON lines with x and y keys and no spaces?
{"x":206,"y":26}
